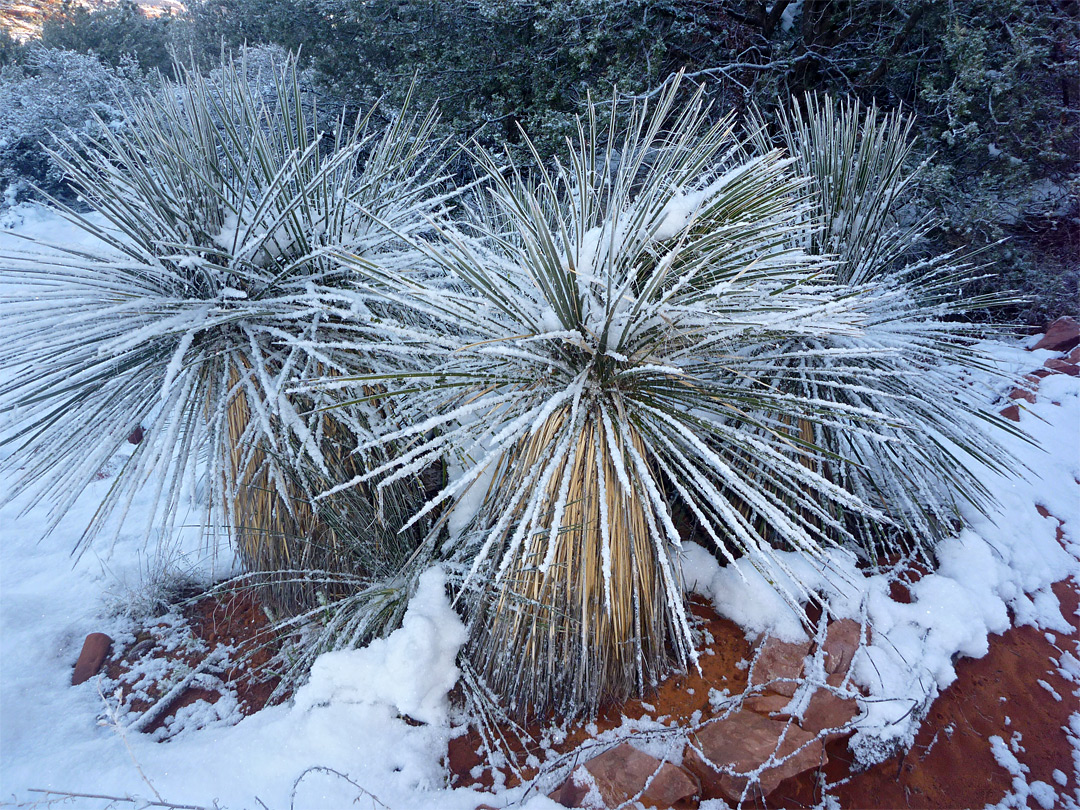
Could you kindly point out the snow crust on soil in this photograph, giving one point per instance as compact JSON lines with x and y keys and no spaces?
{"x":351,"y":732}
{"x":996,"y":573}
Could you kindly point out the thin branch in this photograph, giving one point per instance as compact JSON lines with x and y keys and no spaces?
{"x":323,"y":769}
{"x":137,"y":800}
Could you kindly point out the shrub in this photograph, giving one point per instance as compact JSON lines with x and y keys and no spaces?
{"x":207,"y":288}
{"x":114,"y":34}
{"x":50,"y":94}
{"x":610,"y":347}
{"x":670,"y":315}
{"x":934,"y":438}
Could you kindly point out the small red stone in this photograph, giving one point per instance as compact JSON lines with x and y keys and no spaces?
{"x":94,"y":649}
{"x":829,"y":710}
{"x":621,"y":775}
{"x":779,"y":665}
{"x":769,"y":705}
{"x":136,"y":435}
{"x":1012,"y":412}
{"x":1061,"y":336}
{"x":743,"y":742}
{"x":841,"y":644}
{"x":1063,"y":366}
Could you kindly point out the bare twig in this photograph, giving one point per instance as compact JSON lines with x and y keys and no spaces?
{"x":114,"y":722}
{"x":375,"y":800}
{"x":63,"y":795}
{"x":150,"y":715}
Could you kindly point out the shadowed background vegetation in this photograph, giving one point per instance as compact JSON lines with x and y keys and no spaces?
{"x":993,"y":85}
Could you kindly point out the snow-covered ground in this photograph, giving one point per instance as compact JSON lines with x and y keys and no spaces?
{"x":342,"y":737}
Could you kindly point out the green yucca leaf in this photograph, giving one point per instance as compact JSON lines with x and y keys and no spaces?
{"x":602,"y":353}
{"x":204,"y":290}
{"x":928,"y":454}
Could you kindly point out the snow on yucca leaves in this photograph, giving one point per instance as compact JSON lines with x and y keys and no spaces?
{"x":933,"y":436}
{"x":602,"y":355}
{"x":666,"y":317}
{"x":214,"y":215}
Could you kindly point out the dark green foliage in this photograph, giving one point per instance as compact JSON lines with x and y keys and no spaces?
{"x":994,"y":84}
{"x":493,"y":65}
{"x":48,"y":95}
{"x":10,"y":48}
{"x":995,"y":89}
{"x":113,"y":34}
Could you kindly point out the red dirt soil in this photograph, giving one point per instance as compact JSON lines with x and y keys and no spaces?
{"x":675,"y":702}
{"x":951,"y":764}
{"x":957,"y":769}
{"x":234,"y":619}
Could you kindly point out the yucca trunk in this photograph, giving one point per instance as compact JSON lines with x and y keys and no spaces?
{"x":279,"y":535}
{"x":590,"y":626}
{"x":273,"y":537}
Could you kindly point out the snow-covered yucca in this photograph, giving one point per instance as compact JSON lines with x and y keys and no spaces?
{"x":600,"y":357}
{"x":204,"y":291}
{"x":935,"y":432}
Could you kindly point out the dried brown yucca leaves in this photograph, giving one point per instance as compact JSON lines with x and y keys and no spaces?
{"x":582,"y":603}
{"x":275,"y":528}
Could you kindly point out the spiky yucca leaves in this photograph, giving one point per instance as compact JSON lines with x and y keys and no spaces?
{"x":593,"y":362}
{"x":924,"y":458}
{"x":206,"y":292}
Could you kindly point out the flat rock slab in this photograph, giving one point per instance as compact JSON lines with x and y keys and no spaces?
{"x":1062,"y":335}
{"x":1063,"y":366}
{"x":625,"y":774}
{"x":725,"y":752}
{"x":841,"y":643}
{"x":828,"y":710}
{"x":94,"y":649}
{"x":780,"y":665}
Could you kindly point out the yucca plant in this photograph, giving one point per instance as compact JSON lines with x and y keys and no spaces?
{"x":205,"y":289}
{"x":601,"y":356}
{"x":925,"y":456}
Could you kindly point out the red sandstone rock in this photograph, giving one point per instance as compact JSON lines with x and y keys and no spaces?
{"x":1074,"y":355}
{"x":829,"y":710}
{"x":1012,"y":412}
{"x":136,"y":435}
{"x":1062,"y":335}
{"x":825,"y":710}
{"x":841,"y":644}
{"x":743,"y":742}
{"x":94,"y":649}
{"x":1064,"y":366}
{"x":767,"y":704}
{"x":621,"y":775}
{"x":571,"y":793}
{"x":780,"y":660}
{"x":1025,"y":394}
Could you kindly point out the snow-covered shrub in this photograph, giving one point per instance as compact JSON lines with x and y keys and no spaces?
{"x":57,"y":93}
{"x":209,"y":289}
{"x":935,"y":433}
{"x":608,"y":349}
